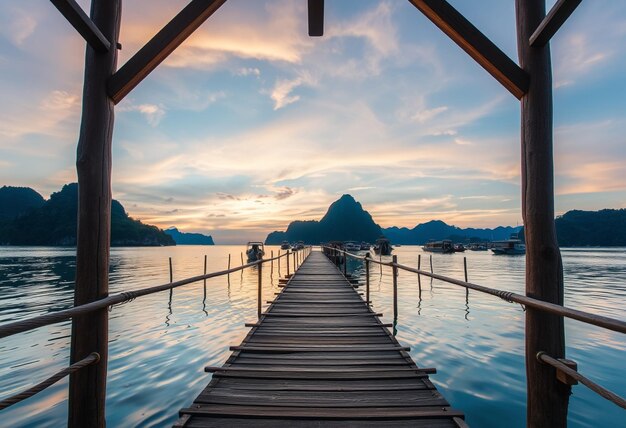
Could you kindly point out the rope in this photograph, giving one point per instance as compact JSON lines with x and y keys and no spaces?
{"x":524,"y":301}
{"x":117,"y":299}
{"x":92,"y":358}
{"x":603,"y":392}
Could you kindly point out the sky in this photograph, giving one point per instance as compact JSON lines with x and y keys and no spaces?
{"x":251,"y":124}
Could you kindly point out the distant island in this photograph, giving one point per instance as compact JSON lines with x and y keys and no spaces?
{"x":346,"y":220}
{"x":604,"y":228}
{"x":26,"y":218}
{"x":182,"y":238}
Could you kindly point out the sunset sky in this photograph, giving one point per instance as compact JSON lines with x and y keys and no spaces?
{"x":251,"y":124}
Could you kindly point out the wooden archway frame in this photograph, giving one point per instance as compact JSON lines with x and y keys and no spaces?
{"x":105,"y":86}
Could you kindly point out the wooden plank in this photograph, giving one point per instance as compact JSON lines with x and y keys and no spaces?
{"x":265,"y":422}
{"x":328,"y":400}
{"x":160,"y":47}
{"x":557,"y":16}
{"x":476,"y":44}
{"x":83,"y":24}
{"x":379,"y":413}
{"x":320,"y":354}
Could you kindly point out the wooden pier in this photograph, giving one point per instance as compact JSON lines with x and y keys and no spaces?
{"x":320,"y":356}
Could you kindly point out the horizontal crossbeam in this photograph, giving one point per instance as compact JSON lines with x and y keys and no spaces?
{"x":83,"y":24}
{"x":553,"y":21}
{"x":476,"y":44}
{"x":160,"y":47}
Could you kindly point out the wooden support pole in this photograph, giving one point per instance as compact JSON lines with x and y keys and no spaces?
{"x":395,"y":287}
{"x":205,"y":260}
{"x":81,"y":23}
{"x":259,"y":290}
{"x":553,"y":21}
{"x":345,"y":264}
{"x":287,"y":253}
{"x":367,"y":277}
{"x":476,"y":44}
{"x":279,"y":256}
{"x":419,"y":277}
{"x":547,"y":397}
{"x":241,"y":259}
{"x":431,"y":263}
{"x":228,"y":261}
{"x":272,"y":262}
{"x":87,"y":390}
{"x":295,"y":264}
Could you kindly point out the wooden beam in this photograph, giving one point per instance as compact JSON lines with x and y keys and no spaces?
{"x":160,"y":47}
{"x":553,"y":21}
{"x":81,"y":22}
{"x":476,"y":44}
{"x":316,"y":18}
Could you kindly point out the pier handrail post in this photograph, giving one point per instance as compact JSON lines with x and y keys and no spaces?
{"x":345,"y":263}
{"x":295,"y":265}
{"x":287,"y":253}
{"x":465,"y":272}
{"x":395,"y":287}
{"x":171,"y":279}
{"x":259,"y":289}
{"x":367,"y":278}
{"x":547,"y":398}
{"x":87,"y":387}
{"x":419,"y":267}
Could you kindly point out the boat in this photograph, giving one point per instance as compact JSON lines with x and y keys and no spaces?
{"x":511,"y":246}
{"x":298,"y":245}
{"x":383,"y":247}
{"x":285,"y":245}
{"x":365,"y":246}
{"x":351,"y":246}
{"x":478,"y":247}
{"x":255,"y":251}
{"x":444,"y":246}
{"x":459,"y":248}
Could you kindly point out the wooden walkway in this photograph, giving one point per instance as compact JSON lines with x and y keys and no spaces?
{"x":318,"y":357}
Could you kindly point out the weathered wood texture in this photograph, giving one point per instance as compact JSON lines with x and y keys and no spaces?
{"x":331,"y":362}
{"x":553,"y":21}
{"x":476,"y":44}
{"x":547,"y":397}
{"x":93,"y":163}
{"x":160,"y":47}
{"x":81,"y":22}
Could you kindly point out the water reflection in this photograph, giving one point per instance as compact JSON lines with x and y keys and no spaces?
{"x":155,"y":367}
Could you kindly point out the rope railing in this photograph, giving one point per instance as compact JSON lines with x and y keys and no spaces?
{"x":601,"y":391}
{"x":123,"y":297}
{"x":586,"y":317}
{"x":559,"y":365}
{"x":92,"y":358}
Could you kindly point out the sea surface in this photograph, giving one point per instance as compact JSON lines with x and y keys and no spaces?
{"x":158,"y":348}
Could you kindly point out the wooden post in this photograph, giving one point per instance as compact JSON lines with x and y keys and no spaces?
{"x":287,"y":253}
{"x":171,"y":280}
{"x":431,"y":263}
{"x":272,"y":262}
{"x":241,"y":259}
{"x":367,"y":278}
{"x":229,"y":262}
{"x":547,"y":398}
{"x":279,"y":262}
{"x":419,"y":277}
{"x":395,"y":287}
{"x":345,"y":264}
{"x":259,"y":287}
{"x":87,"y":390}
{"x":295,"y":264}
{"x":204,"y":278}
{"x":465,"y":271}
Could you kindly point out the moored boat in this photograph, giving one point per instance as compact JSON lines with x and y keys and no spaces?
{"x":383,"y":247}
{"x":285,"y":245}
{"x":511,"y":246}
{"x":351,"y":246}
{"x":255,"y":251}
{"x":365,"y":246}
{"x":459,"y":248}
{"x":444,"y":246}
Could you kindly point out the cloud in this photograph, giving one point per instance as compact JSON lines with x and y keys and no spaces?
{"x":427,"y":114}
{"x":17,"y":24}
{"x":248,"y":71}
{"x":152,"y":112}
{"x":281,"y":93}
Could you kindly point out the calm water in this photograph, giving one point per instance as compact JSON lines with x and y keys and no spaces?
{"x":158,"y":349}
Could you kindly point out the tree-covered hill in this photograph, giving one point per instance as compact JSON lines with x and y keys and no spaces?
{"x":54,"y":222}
